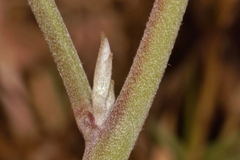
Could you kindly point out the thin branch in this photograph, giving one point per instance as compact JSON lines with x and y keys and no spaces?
{"x":65,"y":56}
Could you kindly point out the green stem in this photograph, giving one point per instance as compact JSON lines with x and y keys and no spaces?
{"x":116,"y":137}
{"x":65,"y":56}
{"x":121,"y":130}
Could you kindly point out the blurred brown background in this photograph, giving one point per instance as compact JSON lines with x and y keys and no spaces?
{"x":195,"y":116}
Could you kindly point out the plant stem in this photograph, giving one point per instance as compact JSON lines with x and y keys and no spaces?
{"x":117,"y":135}
{"x":65,"y":56}
{"x":131,"y":108}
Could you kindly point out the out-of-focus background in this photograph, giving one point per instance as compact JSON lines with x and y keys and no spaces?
{"x":195,"y":115}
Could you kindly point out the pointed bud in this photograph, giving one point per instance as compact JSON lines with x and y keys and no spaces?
{"x":102,"y":83}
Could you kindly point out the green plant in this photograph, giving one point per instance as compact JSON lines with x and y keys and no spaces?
{"x":110,"y":128}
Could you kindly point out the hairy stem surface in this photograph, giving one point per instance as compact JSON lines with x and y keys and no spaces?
{"x":131,"y":108}
{"x":118,"y":133}
{"x":65,"y":56}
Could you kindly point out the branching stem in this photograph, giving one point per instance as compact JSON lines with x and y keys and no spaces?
{"x":119,"y":129}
